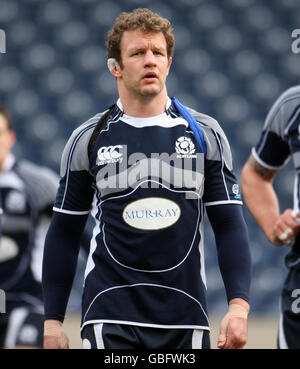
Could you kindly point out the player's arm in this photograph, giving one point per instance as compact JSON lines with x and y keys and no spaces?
{"x":71,"y":209}
{"x":262,"y":202}
{"x":235,"y":265}
{"x":59,"y":266}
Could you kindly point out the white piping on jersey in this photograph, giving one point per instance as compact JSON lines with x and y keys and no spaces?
{"x":290,"y":123}
{"x":296,"y":192}
{"x":272,"y":119}
{"x":71,"y":212}
{"x":261,"y":162}
{"x":197,"y":338}
{"x":281,"y":335}
{"x":138,"y":324}
{"x":147,"y":285}
{"x":294,"y":263}
{"x":93,"y":245}
{"x":201,"y":251}
{"x":224,"y":202}
{"x":222,"y":158}
{"x":151,"y":271}
{"x":98,"y":335}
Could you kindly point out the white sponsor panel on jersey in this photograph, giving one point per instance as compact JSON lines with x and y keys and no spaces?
{"x":151,"y":213}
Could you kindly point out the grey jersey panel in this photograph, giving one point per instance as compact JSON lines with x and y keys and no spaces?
{"x":75,"y":152}
{"x":42,"y":183}
{"x":280,"y":115}
{"x":213,"y":132}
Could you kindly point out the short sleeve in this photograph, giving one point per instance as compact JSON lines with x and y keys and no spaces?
{"x":220,"y":184}
{"x":75,"y":192}
{"x":272,"y":149}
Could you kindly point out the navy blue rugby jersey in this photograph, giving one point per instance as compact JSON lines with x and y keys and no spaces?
{"x":280,"y":141}
{"x":28,"y":194}
{"x":146,"y":184}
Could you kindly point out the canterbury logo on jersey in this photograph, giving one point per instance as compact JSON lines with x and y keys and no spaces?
{"x":109,"y":154}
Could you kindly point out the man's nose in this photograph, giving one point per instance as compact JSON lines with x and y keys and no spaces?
{"x":149,"y":58}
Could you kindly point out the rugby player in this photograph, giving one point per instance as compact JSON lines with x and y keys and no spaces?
{"x":28,"y":194}
{"x":145,"y":278}
{"x":279,"y":141}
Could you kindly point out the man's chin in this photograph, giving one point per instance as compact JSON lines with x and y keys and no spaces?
{"x":150,"y":91}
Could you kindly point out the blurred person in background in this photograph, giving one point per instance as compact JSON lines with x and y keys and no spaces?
{"x":145,"y":282}
{"x":279,"y":141}
{"x":28,"y":193}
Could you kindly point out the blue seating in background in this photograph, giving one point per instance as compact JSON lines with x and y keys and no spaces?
{"x":232,"y":59}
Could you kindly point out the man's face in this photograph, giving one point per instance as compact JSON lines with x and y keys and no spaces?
{"x":145,"y":63}
{"x":7,"y":139}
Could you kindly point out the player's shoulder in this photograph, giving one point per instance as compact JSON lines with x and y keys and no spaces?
{"x":291,"y":93}
{"x":209,"y":125}
{"x":38,"y":175}
{"x":81,"y":135}
{"x":86,"y":128}
{"x":289,"y":97}
{"x":215,"y":137}
{"x":282,"y":109}
{"x":75,"y":154}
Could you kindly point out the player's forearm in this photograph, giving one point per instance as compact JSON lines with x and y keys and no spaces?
{"x":260,"y":199}
{"x":59,"y":263}
{"x":233,"y":249}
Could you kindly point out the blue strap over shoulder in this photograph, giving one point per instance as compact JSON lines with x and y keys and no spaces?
{"x":193,"y":124}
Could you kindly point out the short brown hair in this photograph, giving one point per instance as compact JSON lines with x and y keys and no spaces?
{"x":142,"y":19}
{"x":4,"y":112}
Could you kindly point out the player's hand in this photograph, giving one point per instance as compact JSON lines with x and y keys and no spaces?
{"x":54,"y":335}
{"x":286,"y":228}
{"x":233,"y":328}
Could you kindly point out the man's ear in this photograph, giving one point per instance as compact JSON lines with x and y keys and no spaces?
{"x":113,"y":67}
{"x":116,"y":71}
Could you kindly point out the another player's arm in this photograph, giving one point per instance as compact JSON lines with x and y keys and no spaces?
{"x":262,"y":201}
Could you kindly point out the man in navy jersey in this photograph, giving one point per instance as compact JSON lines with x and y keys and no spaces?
{"x":278,"y":142}
{"x":28,"y":194}
{"x":146,"y":184}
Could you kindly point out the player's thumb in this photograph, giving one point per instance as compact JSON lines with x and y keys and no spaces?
{"x":221,"y":338}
